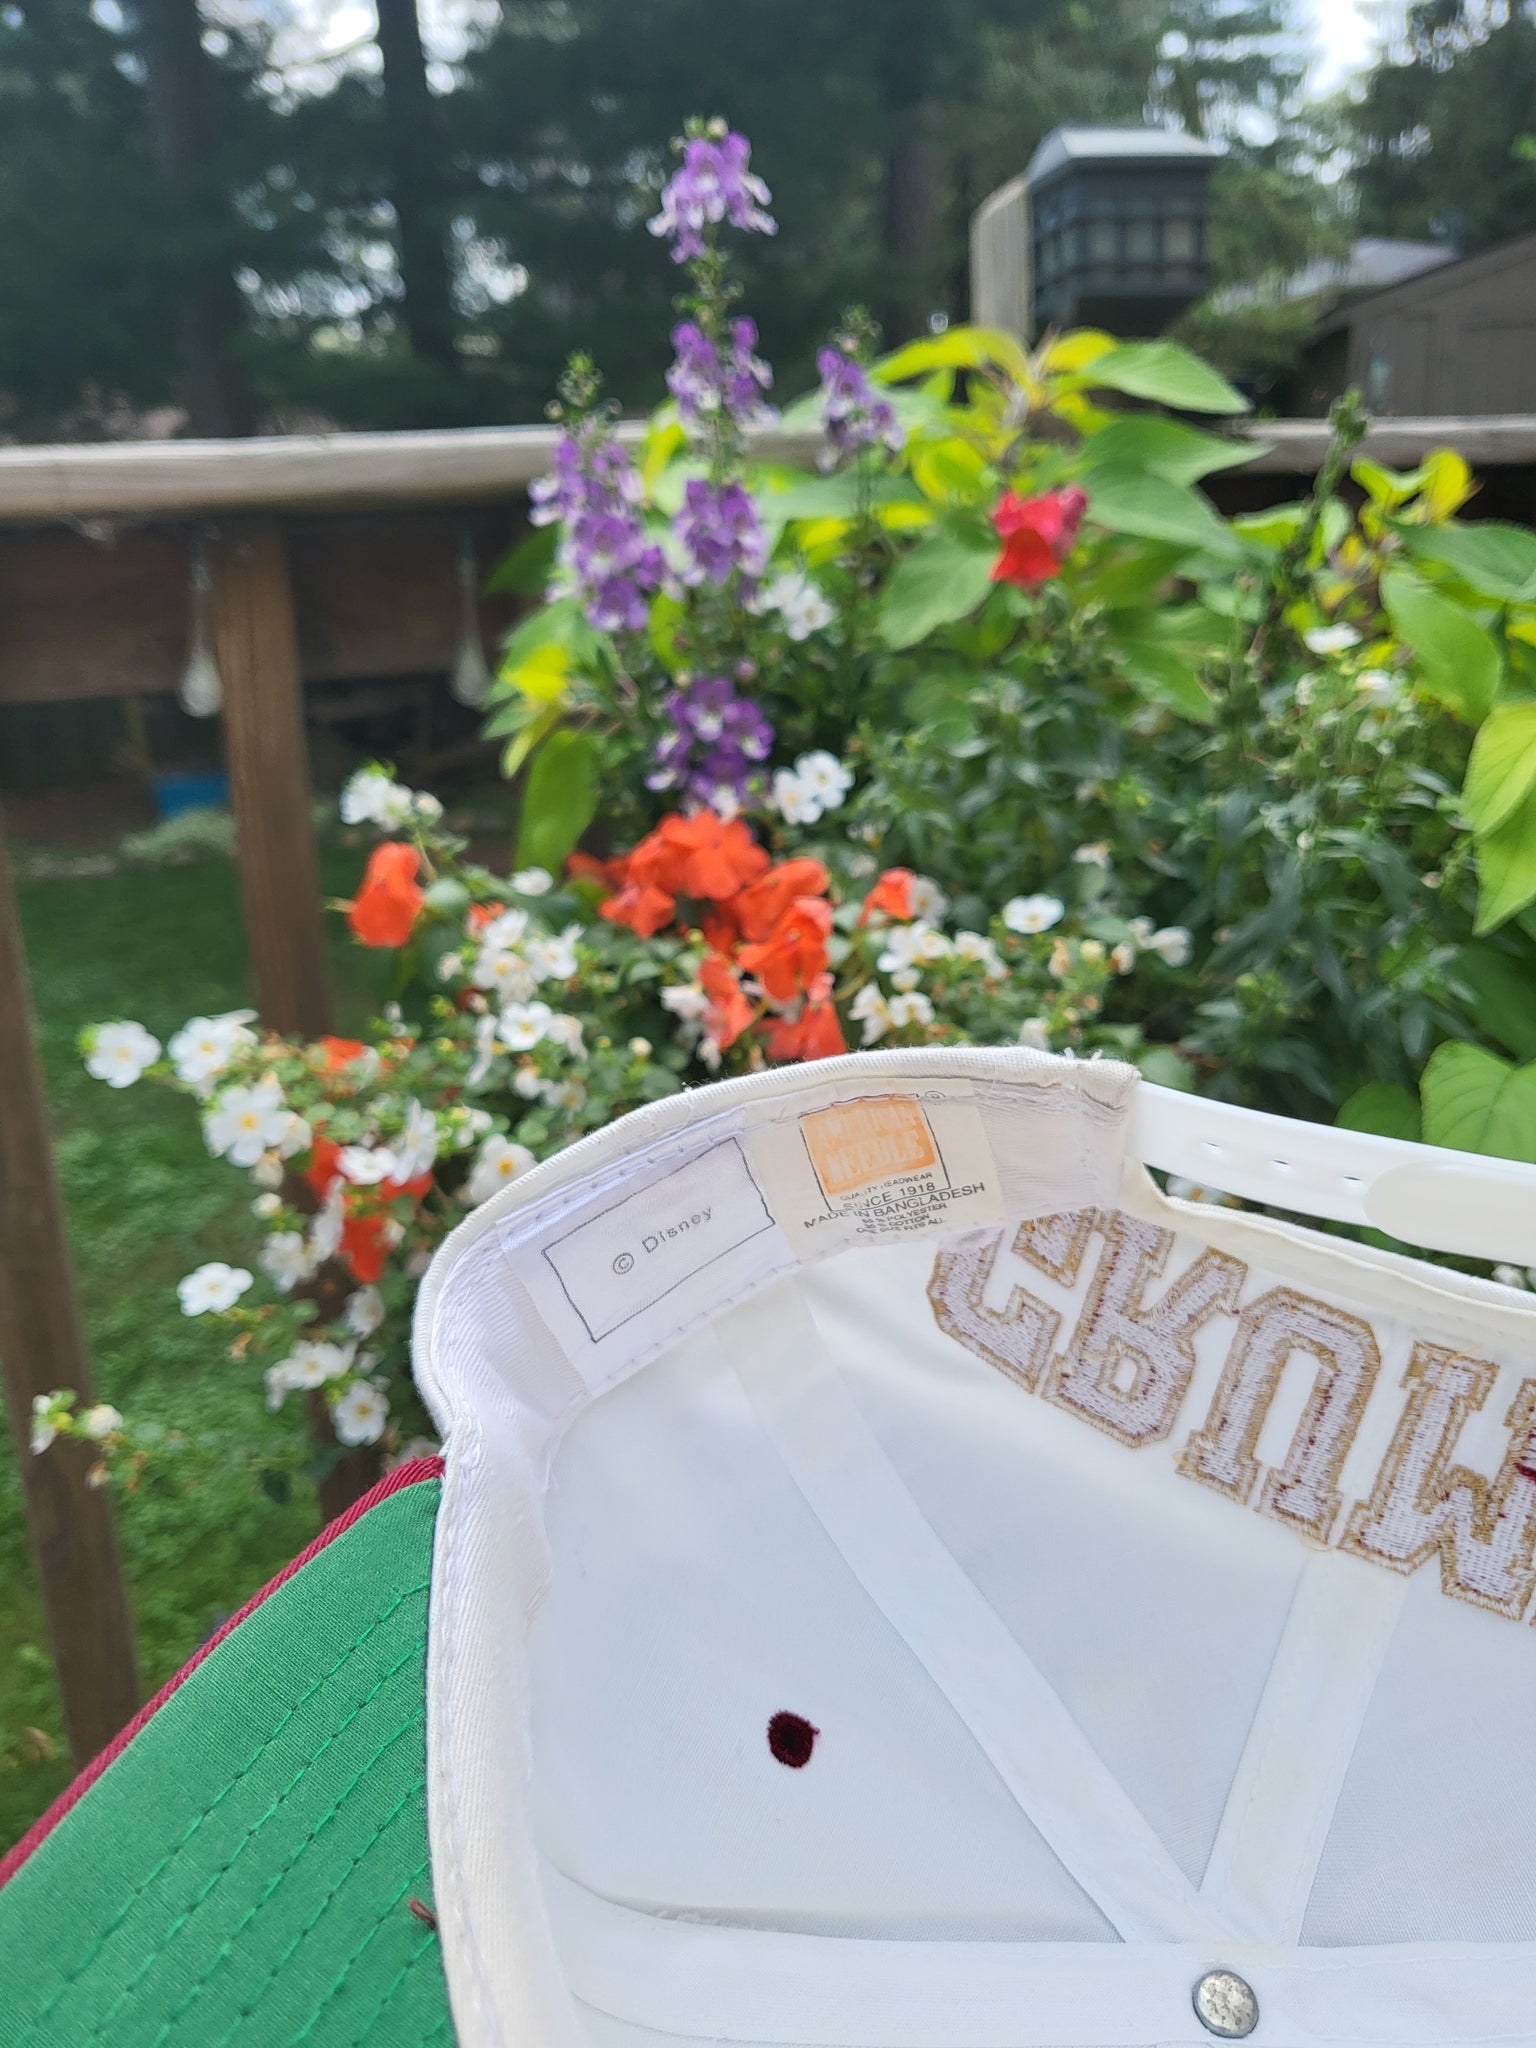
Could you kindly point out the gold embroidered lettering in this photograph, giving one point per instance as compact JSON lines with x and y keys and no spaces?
{"x":1484,"y":1530}
{"x":1223,"y":1453}
{"x":1129,"y":1363}
{"x":1017,"y":1338}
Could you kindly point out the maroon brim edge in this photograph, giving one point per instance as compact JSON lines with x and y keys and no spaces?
{"x":411,"y":1473}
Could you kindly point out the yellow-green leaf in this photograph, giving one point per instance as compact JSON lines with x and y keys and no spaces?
{"x":1502,"y":769}
{"x":1506,"y":867}
{"x":1459,"y":661}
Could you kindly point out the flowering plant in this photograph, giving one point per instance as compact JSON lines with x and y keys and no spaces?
{"x":535,"y":1009}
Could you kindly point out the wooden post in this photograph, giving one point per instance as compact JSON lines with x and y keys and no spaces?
{"x":41,"y":1349}
{"x":256,"y":645}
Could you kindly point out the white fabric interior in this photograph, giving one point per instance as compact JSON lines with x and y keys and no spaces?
{"x":1275,"y":1742}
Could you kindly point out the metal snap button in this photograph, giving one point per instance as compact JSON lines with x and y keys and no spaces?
{"x":1225,"y":2005}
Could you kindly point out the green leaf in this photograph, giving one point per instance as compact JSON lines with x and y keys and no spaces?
{"x":1459,"y":661}
{"x":1503,"y":997}
{"x":1506,"y":867}
{"x":537,"y":723}
{"x":1128,"y":500}
{"x":1502,"y":769}
{"x":1166,"y":1067}
{"x":1384,"y":1109}
{"x":1167,"y":374}
{"x":559,"y":800}
{"x":960,"y":348}
{"x":1166,"y":447}
{"x":943,"y":579}
{"x":1163,"y":676}
{"x":529,"y":566}
{"x":1497,"y":561}
{"x":1476,"y":1102}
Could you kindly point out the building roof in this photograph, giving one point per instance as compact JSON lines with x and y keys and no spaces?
{"x":1070,"y":145}
{"x":1457,"y":272}
{"x":1373,"y":264}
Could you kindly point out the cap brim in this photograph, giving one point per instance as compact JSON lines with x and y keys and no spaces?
{"x":241,"y":1869}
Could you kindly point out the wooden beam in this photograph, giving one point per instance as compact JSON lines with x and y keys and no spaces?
{"x":74,"y":1548}
{"x":256,"y":645}
{"x":376,"y":594}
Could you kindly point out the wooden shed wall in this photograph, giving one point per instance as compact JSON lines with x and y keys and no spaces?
{"x":1461,"y":339}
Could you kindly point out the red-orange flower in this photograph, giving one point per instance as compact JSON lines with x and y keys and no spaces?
{"x":756,"y":909}
{"x":322,"y":1168}
{"x":729,"y":1011}
{"x":340,"y":1052}
{"x":479,"y":915}
{"x":892,"y":894}
{"x":641,"y":906}
{"x":704,"y":855}
{"x":364,"y":1248}
{"x":816,"y":1034}
{"x":795,"y":953}
{"x":386,"y":907}
{"x":1037,"y":534}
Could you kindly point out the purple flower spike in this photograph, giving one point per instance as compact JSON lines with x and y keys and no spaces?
{"x":704,"y":385}
{"x":716,"y":740}
{"x":720,"y":533}
{"x":594,"y":490}
{"x":852,"y":417}
{"x":713,"y":184}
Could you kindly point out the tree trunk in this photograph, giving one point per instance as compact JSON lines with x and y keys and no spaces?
{"x":414,"y":145}
{"x":904,"y":76}
{"x":184,"y":127}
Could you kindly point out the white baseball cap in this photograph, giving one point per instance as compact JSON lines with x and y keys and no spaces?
{"x":902,"y":1581}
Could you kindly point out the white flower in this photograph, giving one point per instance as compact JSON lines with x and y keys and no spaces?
{"x":529,"y":1083}
{"x":1330,"y":639}
{"x":710,"y":1054}
{"x":268,"y":1171}
{"x":1509,"y":1276}
{"x":415,"y":1149}
{"x":523,"y":1025}
{"x":330,"y":1221}
{"x":823,"y":777}
{"x":976,"y":946}
{"x":364,"y":1312}
{"x":486,"y":1049}
{"x":503,"y":973}
{"x":795,"y":804}
{"x":910,"y":1009}
{"x":567,"y":1094}
{"x":1172,"y":945}
{"x":499,"y":1161}
{"x":1029,"y":914}
{"x":204,"y":1046}
{"x":265,"y":1207}
{"x":1122,"y":958}
{"x":870,"y":1008}
{"x":799,"y":602}
{"x":245,"y":1122}
{"x":366,"y":1165}
{"x":504,"y":931}
{"x":927,"y":899}
{"x":566,"y":1032}
{"x":212,"y":1288}
{"x":553,"y":958}
{"x":1377,"y":685}
{"x":425,"y":807}
{"x":1141,"y":930}
{"x":450,"y":967}
{"x":1033,"y":1032}
{"x":293,"y":1134}
{"x":906,"y":978}
{"x":374,"y":798}
{"x":287,"y":1259}
{"x":313,"y":1361}
{"x":641,"y":1048}
{"x":912,"y":945}
{"x":119,"y":1053}
{"x":43,"y":1428}
{"x":532,"y":882}
{"x":100,"y":1421}
{"x":278,"y":1386}
{"x":1095,"y":854}
{"x":359,"y":1415}
{"x":687,"y":1000}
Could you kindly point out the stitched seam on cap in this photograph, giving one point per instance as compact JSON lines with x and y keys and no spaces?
{"x":428,"y":1939}
{"x":195,"y":1991}
{"x":223,"y":1793}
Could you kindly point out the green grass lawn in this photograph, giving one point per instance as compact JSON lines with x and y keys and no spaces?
{"x":146,"y":1204}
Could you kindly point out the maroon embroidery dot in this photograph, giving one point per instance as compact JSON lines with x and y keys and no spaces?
{"x":792,"y":1738}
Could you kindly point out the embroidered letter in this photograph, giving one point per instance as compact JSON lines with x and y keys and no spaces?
{"x":1017,"y":1338}
{"x":1129,"y":1363}
{"x":1222,"y":1454}
{"x":1484,"y":1530}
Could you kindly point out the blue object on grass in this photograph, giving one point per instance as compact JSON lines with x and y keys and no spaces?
{"x":179,"y":790}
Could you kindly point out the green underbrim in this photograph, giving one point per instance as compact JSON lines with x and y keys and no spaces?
{"x":241,"y":1875}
